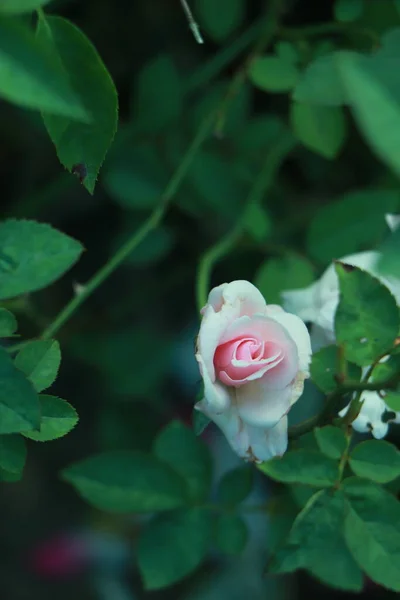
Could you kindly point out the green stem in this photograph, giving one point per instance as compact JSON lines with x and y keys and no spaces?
{"x":225,"y":244}
{"x":327,"y":28}
{"x":209,"y":259}
{"x":222,"y":59}
{"x":270,"y":28}
{"x":138,"y":236}
{"x":344,"y":457}
{"x":331,"y":404}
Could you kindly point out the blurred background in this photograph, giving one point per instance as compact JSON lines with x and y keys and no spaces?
{"x":128,"y":364}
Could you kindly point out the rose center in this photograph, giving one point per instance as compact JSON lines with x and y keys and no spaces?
{"x":244,"y":359}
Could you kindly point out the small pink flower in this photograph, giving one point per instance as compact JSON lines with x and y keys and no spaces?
{"x":253,"y":359}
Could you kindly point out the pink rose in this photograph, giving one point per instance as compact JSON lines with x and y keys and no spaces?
{"x":253,"y":359}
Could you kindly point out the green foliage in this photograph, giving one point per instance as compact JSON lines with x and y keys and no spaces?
{"x":40,"y":362}
{"x":33,"y":255}
{"x":136,"y":180}
{"x":199,"y":421}
{"x":348,"y":10}
{"x":316,"y":542}
{"x":372,"y":531}
{"x":321,"y":129}
{"x":19,"y":403}
{"x":78,"y":143}
{"x":179,"y":447}
{"x":257,"y":223}
{"x":235,"y":486}
{"x":213,"y":181}
{"x":331,"y":441}
{"x":325,"y":367}
{"x":222,"y":19}
{"x":367,"y":318}
{"x":230,"y":533}
{"x":172,"y":546}
{"x":320,"y":83}
{"x":30,"y":76}
{"x":153,"y":249}
{"x":374,"y":96}
{"x":127,"y":482}
{"x":8,"y":323}
{"x":12,"y":454}
{"x":352,"y":223}
{"x":159,"y":79}
{"x":15,"y":7}
{"x":376,"y":460}
{"x":273,"y":73}
{"x":302,"y":466}
{"x":390,"y":250}
{"x":57,"y":418}
{"x":276,"y":275}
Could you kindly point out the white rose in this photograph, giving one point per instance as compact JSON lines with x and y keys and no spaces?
{"x":317,"y":304}
{"x":253,"y":359}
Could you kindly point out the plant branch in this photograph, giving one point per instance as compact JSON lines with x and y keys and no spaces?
{"x":327,"y":28}
{"x":263,"y":182}
{"x":138,"y":236}
{"x":331,"y":403}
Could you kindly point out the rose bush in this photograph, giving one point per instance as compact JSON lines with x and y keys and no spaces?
{"x":317,"y":305}
{"x":253,"y":359}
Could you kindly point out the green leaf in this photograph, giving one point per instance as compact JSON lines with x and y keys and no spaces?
{"x":8,"y":323}
{"x":81,"y":146}
{"x":213,"y":180}
{"x":19,"y":403}
{"x":9,"y":477}
{"x":367,"y":318}
{"x":40,"y":361}
{"x":376,"y":460}
{"x":12,"y":453}
{"x":57,"y":419}
{"x":220,"y":19}
{"x":392,"y":400}
{"x":159,"y":79}
{"x":172,"y":546}
{"x":390,"y":251}
{"x":33,"y":255}
{"x":375,"y":105}
{"x":352,"y":223}
{"x":136,"y":179}
{"x":256,"y":222}
{"x":321,"y":84}
{"x":372,"y":531}
{"x":348,"y":11}
{"x":321,"y":129}
{"x":31,"y":77}
{"x":276,"y":275}
{"x":324,"y":367}
{"x":178,"y":446}
{"x":230,"y":533}
{"x":273,"y":73}
{"x":316,"y":543}
{"x":235,"y":486}
{"x":127,"y":482}
{"x":302,"y":466}
{"x":331,"y":441}
{"x":287,"y":51}
{"x":199,"y":421}
{"x":16,"y":7}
